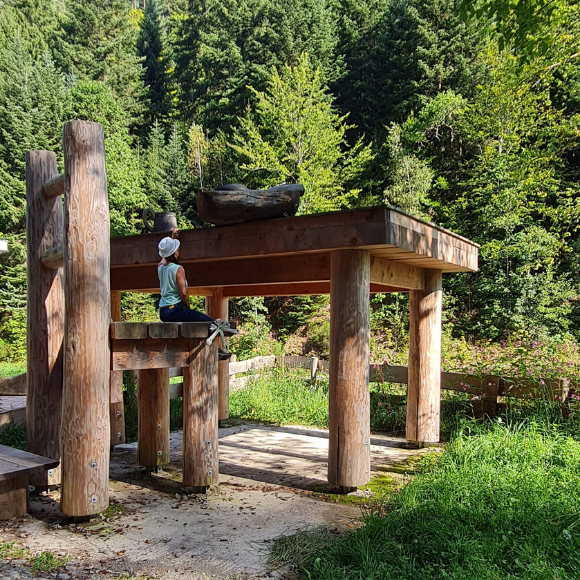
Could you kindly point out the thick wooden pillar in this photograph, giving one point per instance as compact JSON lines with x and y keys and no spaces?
{"x":116,"y":406}
{"x":200,"y":417}
{"x":424,"y":383}
{"x":349,"y":400}
{"x":153,"y":422}
{"x":45,"y":316}
{"x":85,"y":416}
{"x":217,"y":307}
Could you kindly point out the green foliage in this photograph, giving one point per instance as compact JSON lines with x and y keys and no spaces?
{"x":296,"y":137}
{"x":500,"y":501}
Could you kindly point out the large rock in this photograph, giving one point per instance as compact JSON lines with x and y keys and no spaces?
{"x":236,"y":203}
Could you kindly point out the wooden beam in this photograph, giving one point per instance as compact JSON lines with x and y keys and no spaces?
{"x":200,"y":418}
{"x":54,"y":186}
{"x":11,"y":386}
{"x":53,"y":258}
{"x":116,"y":405}
{"x":85,"y":412}
{"x":373,"y":229}
{"x":349,"y":457}
{"x":153,"y":421}
{"x":45,"y":317}
{"x":424,"y":387}
{"x":150,"y":353}
{"x":396,"y":274}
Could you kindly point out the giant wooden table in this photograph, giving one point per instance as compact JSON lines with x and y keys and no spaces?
{"x":347,"y":255}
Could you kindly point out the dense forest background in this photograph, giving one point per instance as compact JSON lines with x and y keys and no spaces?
{"x":448,"y":109}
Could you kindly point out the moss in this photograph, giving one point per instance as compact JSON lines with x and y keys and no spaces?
{"x":379,"y":486}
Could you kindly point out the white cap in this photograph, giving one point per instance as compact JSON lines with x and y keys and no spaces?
{"x":167,"y":247}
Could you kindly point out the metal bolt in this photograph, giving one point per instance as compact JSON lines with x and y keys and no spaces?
{"x":160,"y":453}
{"x":93,"y":464}
{"x":118,"y":413}
{"x":159,"y":426}
{"x":208,"y":442}
{"x":51,"y":442}
{"x":31,"y":488}
{"x":118,"y":435}
{"x":209,"y":472}
{"x":50,"y":471}
{"x":94,"y":499}
{"x":366,"y":472}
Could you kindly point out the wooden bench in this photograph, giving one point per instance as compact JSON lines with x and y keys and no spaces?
{"x":15,"y":469}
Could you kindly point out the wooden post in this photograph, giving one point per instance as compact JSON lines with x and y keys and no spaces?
{"x":217,"y":307}
{"x":313,"y":369}
{"x":45,"y":317}
{"x":153,"y":422}
{"x":424,"y":384}
{"x":200,"y":417}
{"x":116,"y":406}
{"x":85,"y":416}
{"x":349,"y":399}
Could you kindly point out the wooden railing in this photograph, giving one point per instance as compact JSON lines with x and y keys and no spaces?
{"x":489,"y":389}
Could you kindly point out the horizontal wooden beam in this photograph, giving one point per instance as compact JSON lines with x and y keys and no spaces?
{"x":151,"y":353}
{"x":15,"y":385}
{"x":142,"y":330}
{"x":54,"y":186}
{"x":379,"y":229}
{"x":53,"y":258}
{"x":396,"y":274}
{"x":294,"y":289}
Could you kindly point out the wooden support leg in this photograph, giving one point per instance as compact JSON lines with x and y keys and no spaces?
{"x":349,"y":400}
{"x":153,"y":422}
{"x":424,"y":385}
{"x":217,"y":307}
{"x":200,"y":418}
{"x":14,"y":497}
{"x":116,"y":406}
{"x":45,"y":316}
{"x":85,"y":412}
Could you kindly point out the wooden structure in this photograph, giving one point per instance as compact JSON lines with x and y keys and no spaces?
{"x":76,"y":267}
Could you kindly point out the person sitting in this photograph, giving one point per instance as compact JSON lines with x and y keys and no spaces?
{"x":174,"y":303}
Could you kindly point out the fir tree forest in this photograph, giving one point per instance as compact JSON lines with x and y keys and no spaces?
{"x":432,"y":106}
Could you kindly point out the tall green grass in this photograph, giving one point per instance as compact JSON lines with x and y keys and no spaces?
{"x":502,"y":501}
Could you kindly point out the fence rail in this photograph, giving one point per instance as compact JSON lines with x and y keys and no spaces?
{"x":488,"y":388}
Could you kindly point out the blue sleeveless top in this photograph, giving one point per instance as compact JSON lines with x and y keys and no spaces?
{"x":168,"y":284}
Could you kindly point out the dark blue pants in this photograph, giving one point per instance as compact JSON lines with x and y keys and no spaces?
{"x":179,"y":313}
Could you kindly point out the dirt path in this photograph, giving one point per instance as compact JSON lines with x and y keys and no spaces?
{"x":156,"y":528}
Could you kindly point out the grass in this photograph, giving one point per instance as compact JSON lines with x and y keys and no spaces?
{"x":43,"y":562}
{"x":502,"y":501}
{"x":9,"y":369}
{"x":14,"y":436}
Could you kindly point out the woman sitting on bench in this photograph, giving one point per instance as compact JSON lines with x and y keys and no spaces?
{"x":174,"y":303}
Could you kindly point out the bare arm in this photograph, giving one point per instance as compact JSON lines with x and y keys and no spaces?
{"x":182,"y":285}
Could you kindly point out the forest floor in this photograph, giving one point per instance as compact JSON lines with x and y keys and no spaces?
{"x":272,"y":485}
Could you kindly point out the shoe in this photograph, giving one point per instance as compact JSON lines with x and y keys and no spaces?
{"x":224,"y":355}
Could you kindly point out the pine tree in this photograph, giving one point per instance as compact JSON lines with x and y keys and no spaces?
{"x":151,"y":47}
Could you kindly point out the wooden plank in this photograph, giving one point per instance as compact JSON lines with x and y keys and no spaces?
{"x":163,"y":329}
{"x":53,"y":258}
{"x":175,"y":390}
{"x":349,"y":399}
{"x":116,"y":406}
{"x":252,"y":364}
{"x":30,"y":461}
{"x":85,"y":417}
{"x":45,"y":316}
{"x":9,"y":469}
{"x":54,"y":186}
{"x":128,"y":330}
{"x":15,"y":385}
{"x":153,"y":422}
{"x":194,"y":329}
{"x":200,"y":418}
{"x":396,"y":274}
{"x":14,"y":497}
{"x":150,"y":353}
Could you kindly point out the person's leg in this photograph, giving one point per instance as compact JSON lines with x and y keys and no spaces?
{"x":179,"y":313}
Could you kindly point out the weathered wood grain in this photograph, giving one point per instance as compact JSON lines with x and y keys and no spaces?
{"x":236,"y":203}
{"x":194,"y":329}
{"x":150,"y":353}
{"x":217,"y":307}
{"x":54,"y":186}
{"x":116,"y":406}
{"x":15,"y":385}
{"x":349,"y":399}
{"x":396,"y":274}
{"x":153,"y":422}
{"x":128,"y":330}
{"x":163,"y":329}
{"x":85,"y":432}
{"x":53,"y":258}
{"x":424,"y":390}
{"x":200,"y":418}
{"x":45,"y":316}
{"x":14,"y":497}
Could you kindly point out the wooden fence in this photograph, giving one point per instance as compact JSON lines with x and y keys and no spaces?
{"x":487,"y":390}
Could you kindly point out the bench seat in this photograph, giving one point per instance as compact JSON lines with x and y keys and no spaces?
{"x":15,"y":469}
